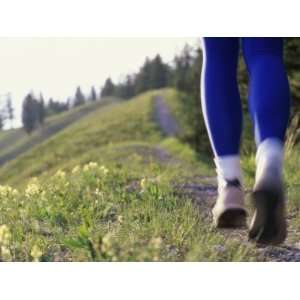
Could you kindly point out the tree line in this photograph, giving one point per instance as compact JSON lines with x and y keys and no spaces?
{"x":35,"y":110}
{"x":183,"y":73}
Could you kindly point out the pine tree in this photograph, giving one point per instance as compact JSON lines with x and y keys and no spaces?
{"x":183,"y":64}
{"x":29,"y":113}
{"x":93,"y":95}
{"x":158,"y":74}
{"x":79,"y":97}
{"x":108,"y":89}
{"x":126,"y":89}
{"x":41,"y":109}
{"x":9,"y":110}
{"x":143,"y":78}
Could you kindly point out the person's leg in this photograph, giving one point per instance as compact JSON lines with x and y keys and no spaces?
{"x":269,"y":103}
{"x":222,"y":112}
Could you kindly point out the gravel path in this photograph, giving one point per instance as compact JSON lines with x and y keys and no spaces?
{"x":164,"y":118}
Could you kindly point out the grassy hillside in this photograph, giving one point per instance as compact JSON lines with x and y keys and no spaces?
{"x":111,"y":187}
{"x":103,"y":189}
{"x":15,"y":142}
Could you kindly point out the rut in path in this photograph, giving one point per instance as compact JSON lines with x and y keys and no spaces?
{"x":203,"y":192}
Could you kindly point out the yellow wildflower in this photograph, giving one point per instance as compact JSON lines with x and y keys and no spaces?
{"x":97,"y":192}
{"x":76,"y":169}
{"x":90,"y":166}
{"x":32,"y":189}
{"x":6,"y":190}
{"x":104,"y":170}
{"x":5,"y":235}
{"x":36,"y":253}
{"x":143,"y":183}
{"x":15,"y":192}
{"x":5,"y":253}
{"x":60,"y":174}
{"x":93,"y":165}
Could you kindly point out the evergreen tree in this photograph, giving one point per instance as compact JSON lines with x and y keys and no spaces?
{"x":158,"y":73}
{"x":109,"y":88}
{"x":93,"y":95}
{"x":41,"y":109}
{"x":69,"y":103}
{"x":143,"y":78}
{"x":79,"y":97}
{"x":9,"y":110}
{"x":55,"y":107}
{"x":129,"y":87}
{"x":29,"y":113}
{"x":126,"y":89}
{"x":183,"y":64}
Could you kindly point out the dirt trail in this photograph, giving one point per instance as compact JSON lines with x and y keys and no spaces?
{"x":164,"y":118}
{"x":203,"y":191}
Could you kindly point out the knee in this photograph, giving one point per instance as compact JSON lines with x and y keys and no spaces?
{"x":263,"y":52}
{"x":220,"y":49}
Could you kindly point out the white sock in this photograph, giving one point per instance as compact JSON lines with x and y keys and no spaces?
{"x":228,"y":167}
{"x":269,"y":156}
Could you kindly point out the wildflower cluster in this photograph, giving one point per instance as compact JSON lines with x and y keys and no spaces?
{"x":6,"y":190}
{"x":104,"y":170}
{"x":90,"y":166}
{"x":5,"y":240}
{"x":32,"y":189}
{"x":60,"y":174}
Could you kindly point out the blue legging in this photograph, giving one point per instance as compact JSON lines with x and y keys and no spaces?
{"x":269,"y":97}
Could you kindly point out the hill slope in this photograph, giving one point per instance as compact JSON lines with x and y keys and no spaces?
{"x":15,"y":142}
{"x":113,"y":187}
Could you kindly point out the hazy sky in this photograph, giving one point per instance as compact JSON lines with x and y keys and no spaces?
{"x":56,"y":66}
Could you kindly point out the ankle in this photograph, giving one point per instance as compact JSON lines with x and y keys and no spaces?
{"x":228,"y":171}
{"x":269,"y":159}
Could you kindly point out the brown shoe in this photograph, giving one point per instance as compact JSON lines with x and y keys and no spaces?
{"x":229,"y":210}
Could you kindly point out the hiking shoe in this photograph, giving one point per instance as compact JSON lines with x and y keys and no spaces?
{"x":268,"y":225}
{"x":229,"y":210}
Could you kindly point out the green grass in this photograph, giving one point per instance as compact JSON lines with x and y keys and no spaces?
{"x":16,"y":141}
{"x":121,"y":207}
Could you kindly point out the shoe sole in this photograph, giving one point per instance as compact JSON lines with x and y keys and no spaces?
{"x":232,"y":218}
{"x":268,"y":224}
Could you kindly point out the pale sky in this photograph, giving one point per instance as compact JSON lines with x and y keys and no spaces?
{"x":56,"y":66}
